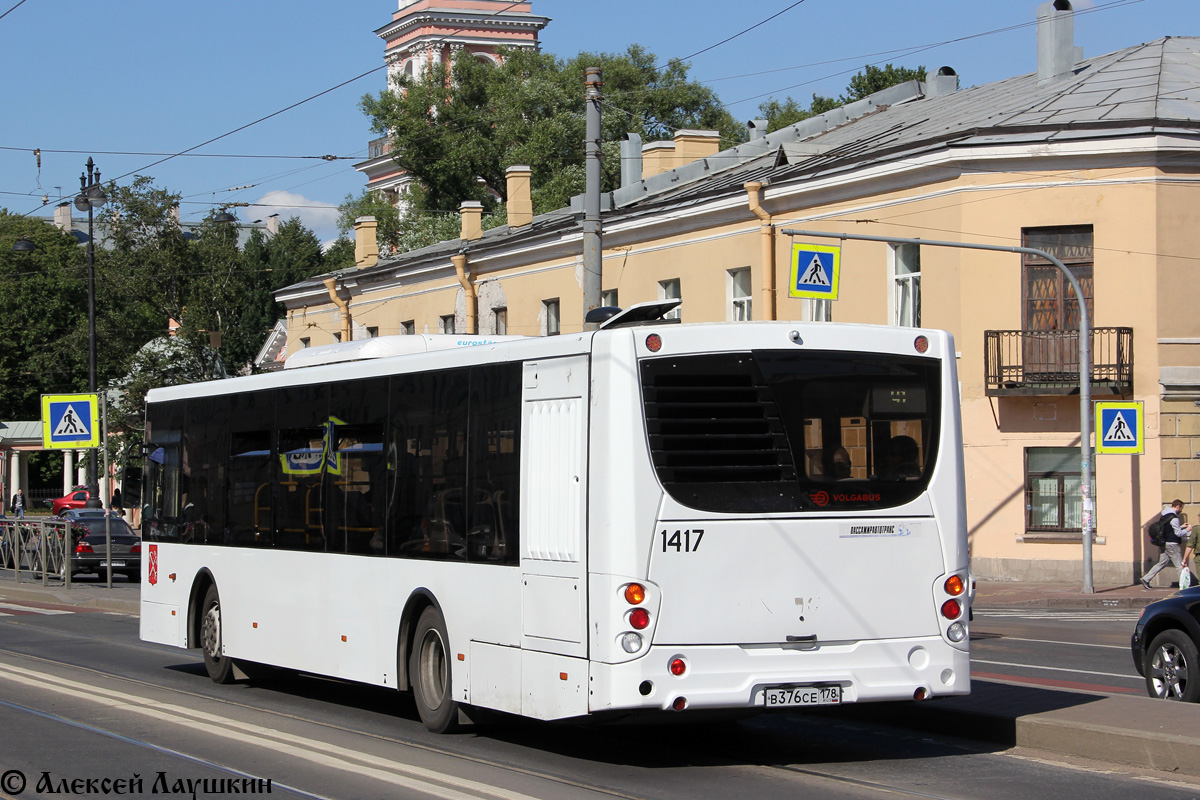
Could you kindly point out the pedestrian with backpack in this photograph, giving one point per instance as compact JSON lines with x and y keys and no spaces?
{"x":1171,"y":532}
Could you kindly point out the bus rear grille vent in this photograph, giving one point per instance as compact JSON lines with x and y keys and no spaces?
{"x":715,"y":428}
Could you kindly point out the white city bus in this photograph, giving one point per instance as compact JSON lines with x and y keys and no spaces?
{"x":648,"y":517}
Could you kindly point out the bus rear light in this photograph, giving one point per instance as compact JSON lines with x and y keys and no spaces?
{"x":679,"y":703}
{"x":956,"y":632}
{"x":654,"y":343}
{"x":954,"y":586}
{"x":921,"y":344}
{"x":920,"y":694}
{"x":677,"y":666}
{"x":639,"y":618}
{"x":951,"y":609}
{"x":635,"y":594}
{"x":631,"y":642}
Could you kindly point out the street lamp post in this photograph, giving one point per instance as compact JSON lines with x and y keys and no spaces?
{"x":91,"y":196}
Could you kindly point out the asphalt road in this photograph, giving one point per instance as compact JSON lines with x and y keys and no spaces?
{"x":1086,"y":650}
{"x":81,"y":698}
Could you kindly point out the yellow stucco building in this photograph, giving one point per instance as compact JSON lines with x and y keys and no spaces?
{"x":1096,"y":162}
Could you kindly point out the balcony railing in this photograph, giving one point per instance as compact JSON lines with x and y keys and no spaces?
{"x":1047,"y":362}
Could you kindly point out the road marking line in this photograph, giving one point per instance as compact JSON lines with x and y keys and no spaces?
{"x":33,"y":609}
{"x":1004,"y":638}
{"x":1053,"y":669}
{"x":317,"y":752}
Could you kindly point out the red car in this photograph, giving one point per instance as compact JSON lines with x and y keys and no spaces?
{"x":76,"y":499}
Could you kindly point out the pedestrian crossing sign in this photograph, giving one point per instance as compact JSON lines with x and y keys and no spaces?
{"x":816,"y":271}
{"x":1120,"y":428}
{"x":70,"y":421}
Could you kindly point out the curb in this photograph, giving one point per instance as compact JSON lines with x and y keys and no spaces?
{"x":1154,"y":734}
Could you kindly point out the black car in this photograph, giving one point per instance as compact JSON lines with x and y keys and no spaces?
{"x":1166,"y":646}
{"x":89,"y":555}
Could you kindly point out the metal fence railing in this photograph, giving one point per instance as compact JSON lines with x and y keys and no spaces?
{"x":1047,"y":362}
{"x":35,"y":548}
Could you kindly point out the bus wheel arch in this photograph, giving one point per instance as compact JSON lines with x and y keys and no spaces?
{"x":423,"y":661}
{"x":200,"y":585}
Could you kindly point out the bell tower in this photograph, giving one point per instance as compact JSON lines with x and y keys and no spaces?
{"x":427,"y":32}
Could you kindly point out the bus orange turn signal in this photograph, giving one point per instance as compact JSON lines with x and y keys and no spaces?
{"x":635,"y":594}
{"x":955,"y":586}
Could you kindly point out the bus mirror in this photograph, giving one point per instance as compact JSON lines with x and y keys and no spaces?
{"x":131,"y":483}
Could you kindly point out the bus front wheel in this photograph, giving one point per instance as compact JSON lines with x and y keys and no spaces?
{"x":220,"y":668}
{"x":429,"y":666}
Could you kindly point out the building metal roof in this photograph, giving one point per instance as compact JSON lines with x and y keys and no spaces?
{"x":1149,"y":88}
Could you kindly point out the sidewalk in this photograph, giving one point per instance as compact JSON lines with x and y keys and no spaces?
{"x":1014,"y":594}
{"x":1125,"y":729}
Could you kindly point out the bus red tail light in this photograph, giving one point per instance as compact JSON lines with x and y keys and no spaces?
{"x":635,"y":594}
{"x":677,"y":666}
{"x":639,"y":618}
{"x":679,"y":703}
{"x":954,"y":586}
{"x":951,"y":609}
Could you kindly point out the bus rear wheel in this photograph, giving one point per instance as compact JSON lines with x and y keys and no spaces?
{"x":429,"y":666}
{"x":220,"y":668}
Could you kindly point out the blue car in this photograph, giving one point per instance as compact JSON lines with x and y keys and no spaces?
{"x":1166,"y":646}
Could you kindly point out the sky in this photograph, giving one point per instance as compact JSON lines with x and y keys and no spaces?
{"x":131,"y":82}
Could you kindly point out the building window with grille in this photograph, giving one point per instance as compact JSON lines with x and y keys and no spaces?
{"x":738,"y":284}
{"x":906,"y":285}
{"x":446,"y":323}
{"x":372,"y":333}
{"x":609,"y":299}
{"x":500,"y":321}
{"x":550,"y":314}
{"x":305,"y":343}
{"x":670,"y":290}
{"x":1053,"y":502}
{"x":1048,"y":301}
{"x":408,"y":327}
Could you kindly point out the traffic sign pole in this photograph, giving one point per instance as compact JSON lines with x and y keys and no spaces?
{"x":1085,"y":361}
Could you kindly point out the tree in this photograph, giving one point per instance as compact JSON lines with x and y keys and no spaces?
{"x":869,"y":80}
{"x":412,"y":230}
{"x":457,"y":131}
{"x":371,"y":204}
{"x":43,"y":316}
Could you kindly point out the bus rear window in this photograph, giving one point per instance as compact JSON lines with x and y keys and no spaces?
{"x":778,"y":431}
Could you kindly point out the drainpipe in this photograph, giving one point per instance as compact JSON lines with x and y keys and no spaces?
{"x":343,"y":306}
{"x":767,"y":241}
{"x":470,"y":292}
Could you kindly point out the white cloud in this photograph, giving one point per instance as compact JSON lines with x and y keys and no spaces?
{"x":316,"y":215}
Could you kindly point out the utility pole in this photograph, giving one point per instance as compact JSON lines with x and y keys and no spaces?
{"x":592,"y":248}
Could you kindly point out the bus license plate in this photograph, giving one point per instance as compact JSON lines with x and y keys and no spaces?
{"x":785,"y":696}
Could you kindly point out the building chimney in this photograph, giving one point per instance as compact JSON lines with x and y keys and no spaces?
{"x":758,"y":128}
{"x":520,"y":201}
{"x":657,"y":158}
{"x":694,"y":145}
{"x":273,"y":226}
{"x":1056,"y":41}
{"x":631,"y":159}
{"x":472,"y":219}
{"x":943,"y":83}
{"x":366,"y":246}
{"x":62,"y":217}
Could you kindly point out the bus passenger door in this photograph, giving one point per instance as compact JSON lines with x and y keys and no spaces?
{"x":554,"y":424}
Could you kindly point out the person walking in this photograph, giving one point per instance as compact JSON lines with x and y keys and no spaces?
{"x":1174,"y":532}
{"x":18,"y":504}
{"x":1190,"y":544}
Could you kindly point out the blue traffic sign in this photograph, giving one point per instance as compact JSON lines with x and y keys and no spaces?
{"x":70,"y":420}
{"x":1120,"y":428}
